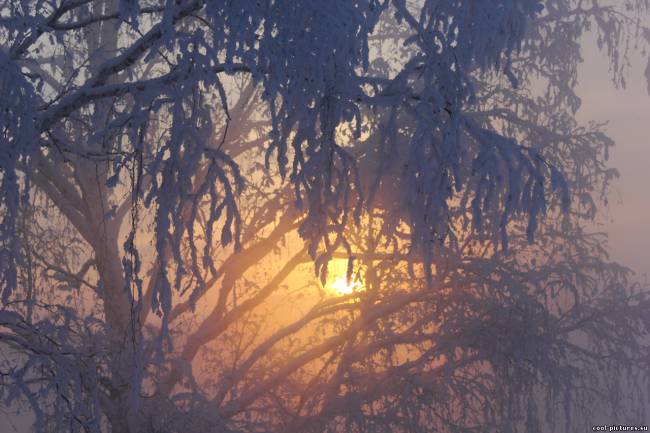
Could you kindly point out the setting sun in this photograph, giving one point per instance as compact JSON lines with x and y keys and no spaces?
{"x":337,"y":282}
{"x":340,"y":286}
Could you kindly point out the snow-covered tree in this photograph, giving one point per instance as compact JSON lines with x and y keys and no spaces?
{"x":175,"y":172}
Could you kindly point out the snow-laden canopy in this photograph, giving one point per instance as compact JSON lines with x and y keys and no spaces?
{"x":171,"y":165}
{"x":312,"y":60}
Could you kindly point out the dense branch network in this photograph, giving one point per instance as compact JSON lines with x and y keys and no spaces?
{"x":175,"y":170}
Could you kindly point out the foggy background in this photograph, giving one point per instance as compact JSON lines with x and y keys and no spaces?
{"x":627,"y":220}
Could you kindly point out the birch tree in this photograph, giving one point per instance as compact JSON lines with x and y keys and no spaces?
{"x":184,"y":180}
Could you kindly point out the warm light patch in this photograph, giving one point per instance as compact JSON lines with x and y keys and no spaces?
{"x":340,"y":286}
{"x":337,"y":282}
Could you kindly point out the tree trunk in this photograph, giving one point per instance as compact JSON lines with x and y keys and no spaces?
{"x":102,"y":40}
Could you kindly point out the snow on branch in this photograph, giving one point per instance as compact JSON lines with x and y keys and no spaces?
{"x":313,"y":64}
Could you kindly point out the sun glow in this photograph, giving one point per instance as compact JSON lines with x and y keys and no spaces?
{"x":337,"y":283}
{"x":341,"y":286}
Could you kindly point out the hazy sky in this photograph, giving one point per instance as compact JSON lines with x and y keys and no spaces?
{"x":627,"y":221}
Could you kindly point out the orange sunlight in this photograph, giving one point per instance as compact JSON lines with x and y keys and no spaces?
{"x":337,"y":282}
{"x":340,"y":286}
